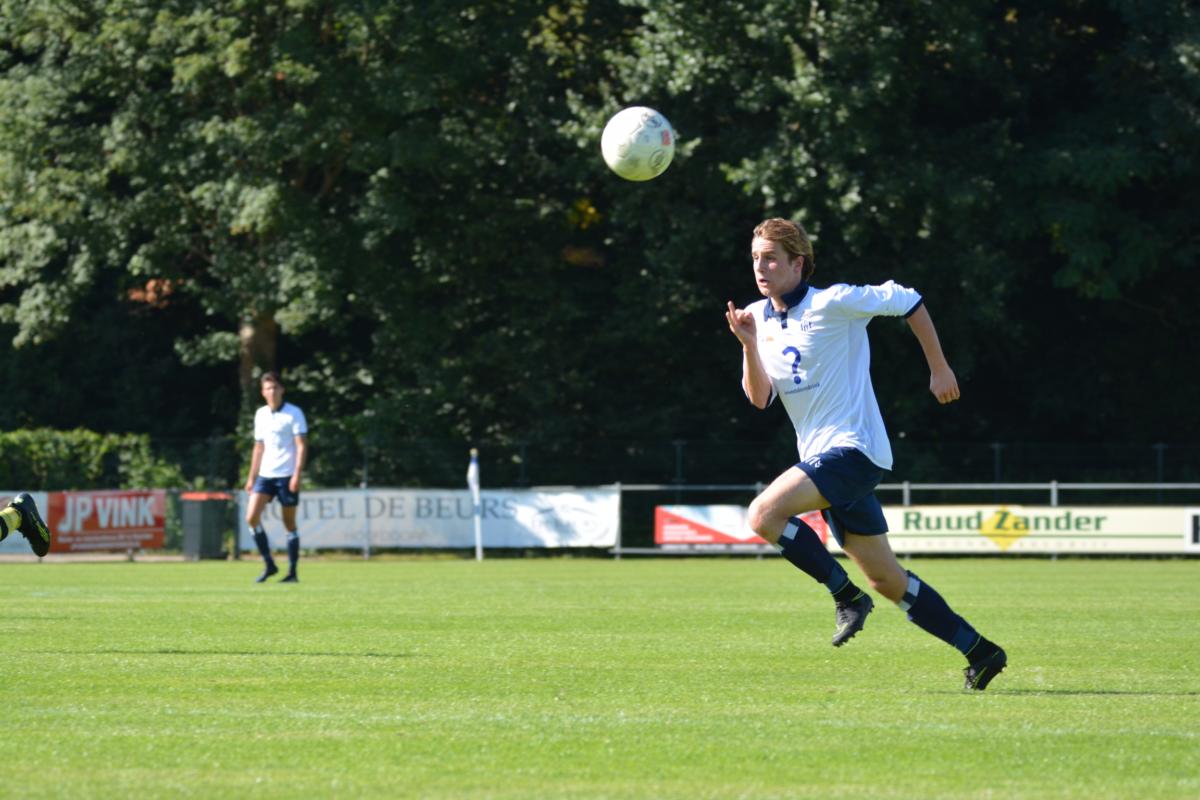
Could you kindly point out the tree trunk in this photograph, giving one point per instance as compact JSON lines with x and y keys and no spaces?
{"x":258,"y":336}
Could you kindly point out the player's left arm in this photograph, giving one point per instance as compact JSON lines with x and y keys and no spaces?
{"x":301,"y":457}
{"x":942,"y":382}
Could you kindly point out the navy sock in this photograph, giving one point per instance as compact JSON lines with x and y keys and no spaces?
{"x":804,"y":549}
{"x":293,"y":546}
{"x":264,"y":547}
{"x":982,"y":649}
{"x":928,"y":611}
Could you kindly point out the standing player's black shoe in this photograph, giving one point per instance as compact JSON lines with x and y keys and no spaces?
{"x":851,"y":616}
{"x":32,"y":527}
{"x":290,"y":578}
{"x":980,"y":673}
{"x":268,"y":572}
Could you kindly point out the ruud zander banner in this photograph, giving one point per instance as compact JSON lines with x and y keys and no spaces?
{"x":1039,"y":529}
{"x":965,"y":529}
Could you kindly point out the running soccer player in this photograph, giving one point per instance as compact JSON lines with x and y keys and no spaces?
{"x":808,"y":346}
{"x":280,"y":447}
{"x":22,"y":515}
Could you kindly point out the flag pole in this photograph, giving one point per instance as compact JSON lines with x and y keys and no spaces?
{"x":473,"y":484}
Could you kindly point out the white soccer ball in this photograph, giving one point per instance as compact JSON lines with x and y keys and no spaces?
{"x":638,"y":143}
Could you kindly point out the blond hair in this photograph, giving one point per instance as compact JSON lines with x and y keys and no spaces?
{"x":792,"y":237}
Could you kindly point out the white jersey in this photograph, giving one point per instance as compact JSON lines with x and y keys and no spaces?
{"x":819,"y":362}
{"x":277,"y":430}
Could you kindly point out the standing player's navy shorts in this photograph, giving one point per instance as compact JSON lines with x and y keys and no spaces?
{"x":847,"y":479}
{"x":277,"y":487}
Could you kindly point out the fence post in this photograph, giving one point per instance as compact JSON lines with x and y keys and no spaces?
{"x":214,"y":443}
{"x":997,"y":449}
{"x":1160,"y":451}
{"x":679,"y":479}
{"x":620,"y":535}
{"x":1053,"y":493}
{"x":907,"y":489}
{"x":366,"y":464}
{"x":366,"y":545}
{"x":523,"y":451}
{"x":365,"y":485}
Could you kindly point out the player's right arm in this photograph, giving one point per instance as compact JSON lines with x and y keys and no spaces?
{"x":755,"y":381}
{"x":255,"y":462}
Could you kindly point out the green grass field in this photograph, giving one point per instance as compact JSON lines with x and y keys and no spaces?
{"x":545,"y":678}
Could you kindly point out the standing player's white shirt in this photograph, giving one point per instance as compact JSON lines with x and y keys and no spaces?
{"x":819,"y":362}
{"x":277,"y":430}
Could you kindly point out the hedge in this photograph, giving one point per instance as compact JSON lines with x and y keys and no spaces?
{"x":52,"y":460}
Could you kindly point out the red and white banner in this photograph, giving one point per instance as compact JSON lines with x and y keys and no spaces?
{"x":715,"y":527}
{"x":108,"y":520}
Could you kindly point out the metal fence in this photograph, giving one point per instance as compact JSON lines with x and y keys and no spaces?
{"x":340,"y":459}
{"x":639,"y":500}
{"x":665,"y":471}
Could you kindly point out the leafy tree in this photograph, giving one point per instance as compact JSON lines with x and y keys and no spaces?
{"x":1030,"y":167}
{"x":403,"y":206}
{"x":383,"y":183}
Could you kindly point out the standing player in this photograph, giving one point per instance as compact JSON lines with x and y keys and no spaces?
{"x":809,"y":347}
{"x":275,"y":467}
{"x":22,"y":515}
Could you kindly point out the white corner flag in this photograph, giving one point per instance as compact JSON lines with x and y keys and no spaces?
{"x":473,"y":484}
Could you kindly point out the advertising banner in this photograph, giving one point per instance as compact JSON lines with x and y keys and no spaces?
{"x":721,"y":527}
{"x":106,"y":520}
{"x":1039,"y":529}
{"x":15,"y":543}
{"x":443,"y":518}
{"x":964,"y":529}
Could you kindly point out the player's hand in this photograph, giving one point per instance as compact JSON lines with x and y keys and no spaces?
{"x":741,"y":324}
{"x":944,"y":385}
{"x":294,"y":484}
{"x":250,"y":486}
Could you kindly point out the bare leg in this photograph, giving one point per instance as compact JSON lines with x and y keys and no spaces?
{"x":254,"y":510}
{"x":790,"y":494}
{"x":293,"y":542}
{"x":925,"y":606}
{"x":874,"y":556}
{"x":289,"y":518}
{"x":775,"y":516}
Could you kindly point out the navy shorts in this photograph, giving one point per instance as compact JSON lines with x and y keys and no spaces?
{"x":847,"y":479}
{"x":277,"y":487}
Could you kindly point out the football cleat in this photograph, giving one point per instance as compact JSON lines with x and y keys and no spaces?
{"x":980,"y":673}
{"x":851,"y":616}
{"x":32,"y":527}
{"x":291,"y":578}
{"x":268,"y":572}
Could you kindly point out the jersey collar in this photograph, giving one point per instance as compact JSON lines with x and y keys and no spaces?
{"x":792,"y":299}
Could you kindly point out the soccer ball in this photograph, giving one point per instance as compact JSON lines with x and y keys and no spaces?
{"x":638,"y":143}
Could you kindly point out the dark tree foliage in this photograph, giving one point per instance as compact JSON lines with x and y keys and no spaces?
{"x":402,"y":205}
{"x":1030,"y":167}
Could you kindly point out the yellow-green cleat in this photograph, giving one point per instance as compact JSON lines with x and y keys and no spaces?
{"x":979,"y":673}
{"x":32,"y":526}
{"x":851,"y":616}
